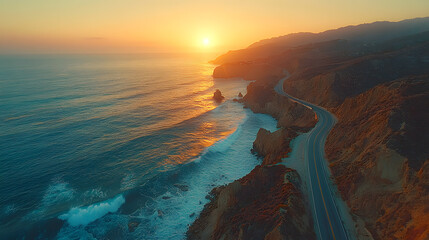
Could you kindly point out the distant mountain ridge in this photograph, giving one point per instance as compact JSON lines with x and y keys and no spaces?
{"x":365,"y":33}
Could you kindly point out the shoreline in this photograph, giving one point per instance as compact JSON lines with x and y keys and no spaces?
{"x":210,"y":223}
{"x":188,"y":184}
{"x":129,"y":184}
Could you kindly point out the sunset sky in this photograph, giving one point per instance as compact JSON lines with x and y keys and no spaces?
{"x":78,"y":26}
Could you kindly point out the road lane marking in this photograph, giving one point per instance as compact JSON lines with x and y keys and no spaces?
{"x":279,"y":89}
{"x":326,"y":168}
{"x":318,"y":180}
{"x":311,"y":184}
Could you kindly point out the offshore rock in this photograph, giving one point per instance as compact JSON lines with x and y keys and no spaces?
{"x":217,"y":96}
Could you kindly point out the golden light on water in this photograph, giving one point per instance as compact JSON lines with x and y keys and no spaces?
{"x":204,"y":100}
{"x":204,"y":138}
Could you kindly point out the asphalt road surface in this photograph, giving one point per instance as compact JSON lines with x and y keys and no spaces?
{"x":328,"y":222}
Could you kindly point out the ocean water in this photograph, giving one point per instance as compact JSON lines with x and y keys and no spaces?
{"x":116,"y":146}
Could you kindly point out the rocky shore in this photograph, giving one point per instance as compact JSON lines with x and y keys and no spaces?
{"x":268,"y":202}
{"x":265,"y":204}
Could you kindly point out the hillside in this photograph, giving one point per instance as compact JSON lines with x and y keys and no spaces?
{"x":375,"y":80}
{"x":382,"y":163}
{"x":368,"y":33}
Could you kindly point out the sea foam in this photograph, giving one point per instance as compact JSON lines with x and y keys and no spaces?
{"x":84,"y":215}
{"x":225,"y":161}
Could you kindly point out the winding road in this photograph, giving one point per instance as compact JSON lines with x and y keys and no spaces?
{"x":328,"y":222}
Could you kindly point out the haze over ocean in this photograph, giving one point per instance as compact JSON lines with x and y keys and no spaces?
{"x":117,"y":145}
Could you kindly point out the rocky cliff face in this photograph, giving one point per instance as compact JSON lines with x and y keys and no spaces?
{"x":273,"y":146}
{"x":261,"y":98}
{"x":265,"y":204}
{"x":378,"y":150}
{"x":380,"y":160}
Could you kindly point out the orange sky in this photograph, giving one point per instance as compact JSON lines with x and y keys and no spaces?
{"x":78,"y":26}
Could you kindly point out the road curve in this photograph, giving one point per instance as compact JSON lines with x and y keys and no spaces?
{"x":328,"y":222}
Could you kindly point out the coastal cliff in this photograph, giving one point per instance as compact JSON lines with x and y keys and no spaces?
{"x":261,"y":98}
{"x":377,"y":151}
{"x":273,"y":146}
{"x":268,"y":202}
{"x":265,"y":204}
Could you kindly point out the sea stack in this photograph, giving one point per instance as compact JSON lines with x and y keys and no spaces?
{"x":217,"y":96}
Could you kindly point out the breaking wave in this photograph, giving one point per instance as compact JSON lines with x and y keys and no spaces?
{"x":84,"y":215}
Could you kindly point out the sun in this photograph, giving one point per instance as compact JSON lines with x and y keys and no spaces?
{"x":206,"y":42}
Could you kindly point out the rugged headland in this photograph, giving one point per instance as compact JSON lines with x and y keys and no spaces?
{"x":268,"y":202}
{"x":375,"y":79}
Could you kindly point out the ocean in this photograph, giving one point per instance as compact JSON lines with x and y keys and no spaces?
{"x":116,"y":146}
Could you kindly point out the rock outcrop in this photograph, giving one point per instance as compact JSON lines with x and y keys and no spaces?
{"x":261,"y":98}
{"x":265,"y":204}
{"x":273,"y":146}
